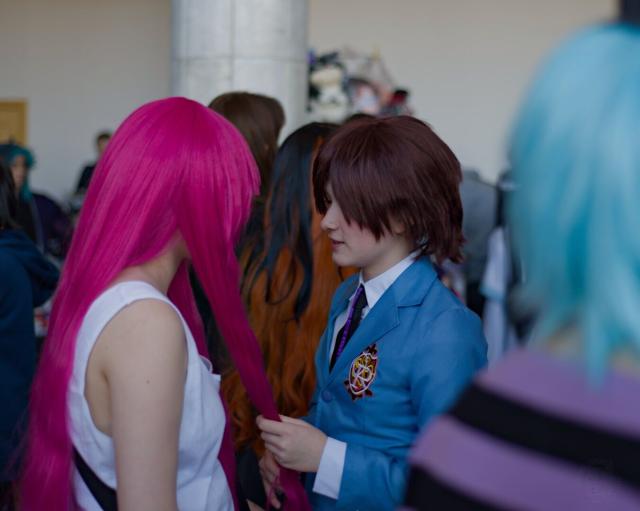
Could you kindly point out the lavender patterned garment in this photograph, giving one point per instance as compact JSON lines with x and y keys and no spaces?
{"x":533,"y":434}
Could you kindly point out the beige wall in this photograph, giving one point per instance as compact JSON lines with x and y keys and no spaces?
{"x":467,"y":62}
{"x":82,"y":65}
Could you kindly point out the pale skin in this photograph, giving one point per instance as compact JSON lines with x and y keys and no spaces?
{"x":19,"y":172}
{"x":134,"y":386}
{"x":101,"y":146}
{"x":294,"y":443}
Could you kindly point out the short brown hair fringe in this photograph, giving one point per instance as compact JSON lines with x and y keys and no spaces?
{"x":396,"y":167}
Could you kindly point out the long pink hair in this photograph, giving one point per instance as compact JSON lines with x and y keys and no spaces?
{"x":173,"y":165}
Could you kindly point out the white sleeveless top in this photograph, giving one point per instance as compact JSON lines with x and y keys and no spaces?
{"x":201,"y":483}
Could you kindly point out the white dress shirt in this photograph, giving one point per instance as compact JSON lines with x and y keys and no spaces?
{"x":331,"y":466}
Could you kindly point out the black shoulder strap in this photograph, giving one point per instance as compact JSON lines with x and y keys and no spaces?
{"x":104,"y":495}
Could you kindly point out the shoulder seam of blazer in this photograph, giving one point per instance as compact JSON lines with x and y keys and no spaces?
{"x":409,"y":295}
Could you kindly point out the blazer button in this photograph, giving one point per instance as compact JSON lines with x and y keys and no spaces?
{"x":327,"y":395}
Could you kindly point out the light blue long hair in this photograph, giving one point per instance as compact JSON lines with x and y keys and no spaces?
{"x":576,"y":215}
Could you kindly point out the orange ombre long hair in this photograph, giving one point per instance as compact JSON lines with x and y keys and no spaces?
{"x":288,"y":287}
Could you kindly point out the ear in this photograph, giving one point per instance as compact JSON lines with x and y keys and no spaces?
{"x":397,"y":228}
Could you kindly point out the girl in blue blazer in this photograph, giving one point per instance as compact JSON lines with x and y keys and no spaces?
{"x":398,"y":346}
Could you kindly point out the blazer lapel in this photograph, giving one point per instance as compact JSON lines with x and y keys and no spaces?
{"x":339,"y":305}
{"x":407,"y":291}
{"x":378,"y":322}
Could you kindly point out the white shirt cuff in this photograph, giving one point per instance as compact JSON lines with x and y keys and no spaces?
{"x":329,"y":474}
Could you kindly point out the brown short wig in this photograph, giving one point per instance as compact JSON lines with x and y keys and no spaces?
{"x":394,"y":168}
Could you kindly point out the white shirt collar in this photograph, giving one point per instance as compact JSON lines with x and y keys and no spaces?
{"x":374,"y":288}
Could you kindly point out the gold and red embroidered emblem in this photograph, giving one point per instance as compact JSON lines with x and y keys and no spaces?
{"x":362,"y":373}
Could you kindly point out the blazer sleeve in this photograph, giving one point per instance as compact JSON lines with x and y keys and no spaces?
{"x":448,"y":353}
{"x":311,"y":412}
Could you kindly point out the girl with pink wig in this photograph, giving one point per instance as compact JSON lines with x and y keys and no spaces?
{"x":124,"y":412}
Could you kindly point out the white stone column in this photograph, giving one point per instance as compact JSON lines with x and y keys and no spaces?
{"x":249,"y":45}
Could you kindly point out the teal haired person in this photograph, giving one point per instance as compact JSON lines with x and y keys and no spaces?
{"x":38,"y":215}
{"x":556,"y":426}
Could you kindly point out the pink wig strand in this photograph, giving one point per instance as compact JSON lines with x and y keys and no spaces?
{"x":173,"y":165}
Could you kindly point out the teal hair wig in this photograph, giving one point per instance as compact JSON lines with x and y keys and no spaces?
{"x":575,"y":151}
{"x":11,"y":151}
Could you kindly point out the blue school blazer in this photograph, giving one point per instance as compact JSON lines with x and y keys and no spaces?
{"x":407,"y":361}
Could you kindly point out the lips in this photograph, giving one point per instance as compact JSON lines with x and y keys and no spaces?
{"x":335,"y":244}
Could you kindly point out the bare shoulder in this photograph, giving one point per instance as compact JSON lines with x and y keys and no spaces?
{"x":148,"y":331}
{"x":144,"y":364}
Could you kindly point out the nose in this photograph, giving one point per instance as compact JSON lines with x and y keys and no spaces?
{"x":328,"y":222}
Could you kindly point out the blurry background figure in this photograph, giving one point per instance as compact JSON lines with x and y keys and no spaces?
{"x":328,"y":99}
{"x":259,"y":120}
{"x":630,"y":11}
{"x":480,"y":203}
{"x":27,"y":279}
{"x":41,"y":218}
{"x":364,"y":98}
{"x":368,"y":69}
{"x":102,"y":139}
{"x":398,"y":104}
{"x":488,"y":267}
{"x":556,"y":426}
{"x":288,"y":289}
{"x":508,"y":321}
{"x":498,"y":279}
{"x":349,"y":82}
{"x":77,"y":198}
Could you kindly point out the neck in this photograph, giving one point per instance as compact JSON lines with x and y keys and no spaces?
{"x":159,"y":271}
{"x":393,"y":257}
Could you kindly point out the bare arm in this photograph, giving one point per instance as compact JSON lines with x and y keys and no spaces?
{"x":143,"y":358}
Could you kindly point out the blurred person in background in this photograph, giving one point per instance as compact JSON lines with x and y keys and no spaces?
{"x":101,"y":141}
{"x":556,"y":426}
{"x":287,"y":289}
{"x":77,"y":197}
{"x":629,"y":11}
{"x":479,"y":202}
{"x":27,"y":280}
{"x":259,"y":120}
{"x":41,"y":218}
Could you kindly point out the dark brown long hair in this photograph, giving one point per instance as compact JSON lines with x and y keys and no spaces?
{"x":259,"y":118}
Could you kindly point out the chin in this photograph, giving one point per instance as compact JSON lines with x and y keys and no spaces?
{"x":341,"y":261}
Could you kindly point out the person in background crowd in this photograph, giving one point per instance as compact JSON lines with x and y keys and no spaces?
{"x":556,"y":426}
{"x":27,"y":280}
{"x":288,"y":289}
{"x":398,"y":346}
{"x":259,"y":119}
{"x":41,"y":218}
{"x":480,"y":205}
{"x":629,"y":11}
{"x":125,"y":409}
{"x":101,"y":141}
